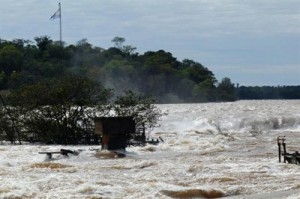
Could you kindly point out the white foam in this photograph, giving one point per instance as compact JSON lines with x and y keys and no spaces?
{"x":198,"y":153}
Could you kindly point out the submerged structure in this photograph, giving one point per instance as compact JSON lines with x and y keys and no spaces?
{"x":292,"y":158}
{"x":119,"y":132}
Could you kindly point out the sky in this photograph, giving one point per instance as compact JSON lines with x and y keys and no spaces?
{"x":252,"y":42}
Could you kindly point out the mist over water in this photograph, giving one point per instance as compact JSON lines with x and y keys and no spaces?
{"x":209,"y":150}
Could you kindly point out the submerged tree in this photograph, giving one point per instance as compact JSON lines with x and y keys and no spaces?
{"x":61,"y":110}
{"x":140,"y":107}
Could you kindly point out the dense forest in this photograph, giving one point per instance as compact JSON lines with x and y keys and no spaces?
{"x":158,"y":74}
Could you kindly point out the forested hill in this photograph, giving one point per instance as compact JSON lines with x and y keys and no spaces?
{"x":157,"y":74}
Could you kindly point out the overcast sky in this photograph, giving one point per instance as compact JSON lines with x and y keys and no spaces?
{"x":253,"y":42}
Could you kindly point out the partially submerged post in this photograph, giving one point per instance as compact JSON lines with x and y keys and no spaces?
{"x":280,"y":141}
{"x":292,"y":158}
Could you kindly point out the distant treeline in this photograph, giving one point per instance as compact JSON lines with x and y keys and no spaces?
{"x":268,"y":92}
{"x":154,"y":73}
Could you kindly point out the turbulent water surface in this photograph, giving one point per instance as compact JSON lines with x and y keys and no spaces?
{"x":210,"y":150}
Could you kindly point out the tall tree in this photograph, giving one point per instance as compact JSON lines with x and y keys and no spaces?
{"x":11,"y":59}
{"x":118,"y":41}
{"x":226,"y":90}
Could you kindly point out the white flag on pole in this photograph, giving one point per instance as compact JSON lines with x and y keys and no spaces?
{"x":55,"y":15}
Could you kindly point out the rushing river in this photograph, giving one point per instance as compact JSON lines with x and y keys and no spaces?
{"x":224,"y":150}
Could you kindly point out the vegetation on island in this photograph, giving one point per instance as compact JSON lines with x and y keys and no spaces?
{"x":158,"y":74}
{"x":154,"y":73}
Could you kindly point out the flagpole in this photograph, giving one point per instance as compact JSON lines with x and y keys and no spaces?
{"x":60,"y":31}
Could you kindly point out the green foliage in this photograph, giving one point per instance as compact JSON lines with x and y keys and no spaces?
{"x":155,"y":73}
{"x":62,"y":111}
{"x":56,"y":90}
{"x":59,"y":111}
{"x":2,"y":79}
{"x":10,"y":59}
{"x":205,"y":91}
{"x":43,"y":42}
{"x":226,"y":90}
{"x":118,"y":41}
{"x":118,"y":75}
{"x":268,"y":92}
{"x":140,"y":107}
{"x":127,"y":49}
{"x":196,"y":72}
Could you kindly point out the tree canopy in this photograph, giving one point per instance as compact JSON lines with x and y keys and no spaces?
{"x":155,"y":73}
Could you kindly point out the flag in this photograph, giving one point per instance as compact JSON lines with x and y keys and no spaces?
{"x":55,"y":15}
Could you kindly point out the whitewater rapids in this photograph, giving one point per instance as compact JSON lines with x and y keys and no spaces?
{"x":226,"y":149}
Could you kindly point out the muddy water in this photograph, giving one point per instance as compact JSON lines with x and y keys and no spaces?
{"x":217,"y":149}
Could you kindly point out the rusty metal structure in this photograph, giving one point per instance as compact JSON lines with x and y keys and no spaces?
{"x":118,"y":132}
{"x":292,"y":158}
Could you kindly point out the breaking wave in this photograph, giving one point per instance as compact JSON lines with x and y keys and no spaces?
{"x":241,"y":116}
